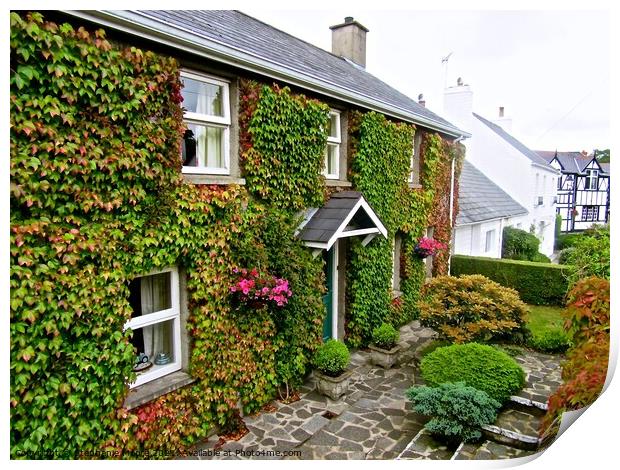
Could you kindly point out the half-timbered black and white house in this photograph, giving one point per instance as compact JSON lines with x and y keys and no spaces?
{"x":582,"y":190}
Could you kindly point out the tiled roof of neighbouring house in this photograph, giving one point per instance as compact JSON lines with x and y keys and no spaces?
{"x":480,"y":199}
{"x":246,"y":42}
{"x":533,"y":156}
{"x":572,"y":162}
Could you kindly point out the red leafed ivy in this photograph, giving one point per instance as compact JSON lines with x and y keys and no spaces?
{"x":585,"y":370}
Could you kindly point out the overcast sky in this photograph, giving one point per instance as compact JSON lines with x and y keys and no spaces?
{"x":549,"y":69}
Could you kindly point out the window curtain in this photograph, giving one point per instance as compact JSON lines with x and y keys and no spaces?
{"x":153,"y":297}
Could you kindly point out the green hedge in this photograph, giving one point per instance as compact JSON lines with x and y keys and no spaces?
{"x":537,"y":283}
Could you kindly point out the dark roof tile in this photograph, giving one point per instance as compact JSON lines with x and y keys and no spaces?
{"x":251,"y":36}
{"x":480,"y":199}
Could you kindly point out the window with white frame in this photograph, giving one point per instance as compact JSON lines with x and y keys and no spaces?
{"x":489,"y":241}
{"x":592,"y":179}
{"x":156,"y":324}
{"x":332,"y":150}
{"x":207,"y":120}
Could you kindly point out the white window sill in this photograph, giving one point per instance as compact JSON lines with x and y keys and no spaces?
{"x":339,"y":183}
{"x":156,"y":388}
{"x":212,"y":179}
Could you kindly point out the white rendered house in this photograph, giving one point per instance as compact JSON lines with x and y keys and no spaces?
{"x":484,"y":210}
{"x":520,"y":172}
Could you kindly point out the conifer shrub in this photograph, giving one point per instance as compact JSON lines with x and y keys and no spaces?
{"x":332,"y":358}
{"x":477,"y":365}
{"x":473,"y":308}
{"x":457,"y":410}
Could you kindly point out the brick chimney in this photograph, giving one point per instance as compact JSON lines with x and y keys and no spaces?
{"x":421,"y":100}
{"x":349,"y":41}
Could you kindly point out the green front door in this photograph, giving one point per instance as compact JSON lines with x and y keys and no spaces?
{"x":328,"y":256}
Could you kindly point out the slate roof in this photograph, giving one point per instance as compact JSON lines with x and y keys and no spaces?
{"x":533,"y":156}
{"x":480,"y":199}
{"x":235,"y":35}
{"x":326,"y":221}
{"x":572,"y":162}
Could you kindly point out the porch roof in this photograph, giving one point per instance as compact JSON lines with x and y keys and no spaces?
{"x":345,"y":214}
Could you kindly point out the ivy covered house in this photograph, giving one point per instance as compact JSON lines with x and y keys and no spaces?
{"x":198,"y":200}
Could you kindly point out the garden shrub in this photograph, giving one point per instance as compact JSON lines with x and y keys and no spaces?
{"x":478,"y":365}
{"x":385,"y":336}
{"x":567,"y":240}
{"x":472,"y":308}
{"x":537,"y":283}
{"x":540,"y":258}
{"x":565,"y":255}
{"x":551,"y":341}
{"x":591,"y":255}
{"x":585,"y":370}
{"x":332,"y":358}
{"x":457,"y":410}
{"x":519,"y":244}
{"x":587,"y":310}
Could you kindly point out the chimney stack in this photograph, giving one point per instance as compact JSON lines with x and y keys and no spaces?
{"x":503,"y":121}
{"x":458,"y":105}
{"x":349,"y":41}
{"x":421,"y":100}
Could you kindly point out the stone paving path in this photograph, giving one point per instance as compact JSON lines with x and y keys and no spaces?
{"x":373,"y":421}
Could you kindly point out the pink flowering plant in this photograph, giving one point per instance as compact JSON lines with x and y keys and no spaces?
{"x":260,"y":288}
{"x":428,"y":247}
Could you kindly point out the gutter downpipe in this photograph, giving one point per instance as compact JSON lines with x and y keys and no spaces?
{"x":456,"y":141}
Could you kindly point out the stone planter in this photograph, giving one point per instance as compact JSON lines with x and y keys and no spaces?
{"x":383,"y":357}
{"x":333,"y":387}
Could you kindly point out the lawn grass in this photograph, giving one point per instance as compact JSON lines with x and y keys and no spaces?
{"x":547,"y":326}
{"x":544,"y":318}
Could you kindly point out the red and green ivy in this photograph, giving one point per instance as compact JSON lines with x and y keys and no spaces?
{"x":380,"y":152}
{"x":97,"y":198}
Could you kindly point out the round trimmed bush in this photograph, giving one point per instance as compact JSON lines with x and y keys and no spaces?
{"x":457,"y":411}
{"x":332,"y":358}
{"x":478,"y":365}
{"x":385,"y":336}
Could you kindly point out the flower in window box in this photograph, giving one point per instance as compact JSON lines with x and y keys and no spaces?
{"x":428,"y":247}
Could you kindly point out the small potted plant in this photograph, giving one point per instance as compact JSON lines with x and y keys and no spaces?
{"x":331,"y":361}
{"x":384,"y":348}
